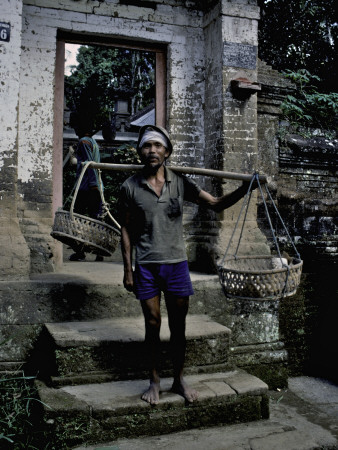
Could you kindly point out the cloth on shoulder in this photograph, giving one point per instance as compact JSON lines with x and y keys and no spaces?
{"x":88,"y":150}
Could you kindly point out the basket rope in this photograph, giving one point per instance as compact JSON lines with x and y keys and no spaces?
{"x":104,"y":204}
{"x":263,"y":283}
{"x":90,"y":234}
{"x":245,"y":203}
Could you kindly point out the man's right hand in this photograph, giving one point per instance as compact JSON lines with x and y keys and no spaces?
{"x":128,"y":281}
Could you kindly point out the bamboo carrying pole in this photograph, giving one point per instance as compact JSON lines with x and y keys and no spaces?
{"x":188,"y":170}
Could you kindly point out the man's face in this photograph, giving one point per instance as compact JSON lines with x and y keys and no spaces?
{"x":153,"y":154}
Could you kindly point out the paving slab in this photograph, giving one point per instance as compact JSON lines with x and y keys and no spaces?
{"x":90,"y":290}
{"x":115,"y":409}
{"x":106,"y":272}
{"x":294,"y":424}
{"x":127,"y":393}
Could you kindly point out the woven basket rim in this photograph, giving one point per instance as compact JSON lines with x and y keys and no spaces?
{"x":291,"y":266}
{"x":60,"y":234}
{"x":277,"y":296}
{"x":89,"y":219}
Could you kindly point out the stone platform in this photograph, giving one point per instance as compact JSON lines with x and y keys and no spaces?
{"x":113,"y":410}
{"x":96,"y":371}
{"x":113,"y":349}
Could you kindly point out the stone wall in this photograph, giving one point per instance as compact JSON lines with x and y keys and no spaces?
{"x":175,"y":26}
{"x":303,"y":173}
{"x":308,"y":202}
{"x":230,"y":126}
{"x":14,"y":254}
{"x":305,"y":187}
{"x":207,"y":44}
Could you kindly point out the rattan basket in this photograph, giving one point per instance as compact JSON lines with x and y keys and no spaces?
{"x":90,"y":235}
{"x":93,"y":235}
{"x":254,"y":277}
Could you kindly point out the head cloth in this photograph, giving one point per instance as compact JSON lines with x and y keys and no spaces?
{"x":152,"y":135}
{"x":162,"y":132}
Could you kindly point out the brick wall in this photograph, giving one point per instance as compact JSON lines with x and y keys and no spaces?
{"x":173,"y":25}
{"x":207,"y":44}
{"x":14,"y":255}
{"x":207,"y":126}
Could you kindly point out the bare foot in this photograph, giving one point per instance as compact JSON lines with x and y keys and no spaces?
{"x":181,"y":388}
{"x":152,"y":394}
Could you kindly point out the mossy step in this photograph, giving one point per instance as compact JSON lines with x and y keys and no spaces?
{"x":90,"y":290}
{"x":108,"y":411}
{"x":114,"y":349}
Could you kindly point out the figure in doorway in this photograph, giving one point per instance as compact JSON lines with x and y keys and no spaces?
{"x":88,"y":201}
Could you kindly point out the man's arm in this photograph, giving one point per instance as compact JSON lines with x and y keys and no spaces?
{"x":218,"y":204}
{"x":127,"y":250}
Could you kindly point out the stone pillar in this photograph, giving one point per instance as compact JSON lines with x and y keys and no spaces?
{"x":14,"y":252}
{"x":231,"y":117}
{"x":40,"y":137}
{"x":231,"y":34}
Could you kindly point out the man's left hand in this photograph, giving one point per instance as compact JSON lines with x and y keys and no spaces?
{"x":246,"y":184}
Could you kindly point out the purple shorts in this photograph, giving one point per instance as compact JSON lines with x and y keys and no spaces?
{"x":151,"y":279}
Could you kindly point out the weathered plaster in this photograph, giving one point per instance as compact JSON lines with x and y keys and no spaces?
{"x":208,"y":126}
{"x":14,"y":258}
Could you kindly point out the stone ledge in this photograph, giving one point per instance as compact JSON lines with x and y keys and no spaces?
{"x":115,"y":348}
{"x":114,"y":410}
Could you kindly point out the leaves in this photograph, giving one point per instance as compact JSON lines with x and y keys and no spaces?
{"x":17,"y":396}
{"x":300,"y":34}
{"x":308,"y":107}
{"x":104,"y":74}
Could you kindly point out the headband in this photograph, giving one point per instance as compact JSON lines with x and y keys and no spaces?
{"x":152,"y":135}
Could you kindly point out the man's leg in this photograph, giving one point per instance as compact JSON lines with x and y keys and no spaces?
{"x":177,"y":308}
{"x":152,"y":318}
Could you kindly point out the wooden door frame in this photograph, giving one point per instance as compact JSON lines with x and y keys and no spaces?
{"x":160,"y":64}
{"x":160,"y":101}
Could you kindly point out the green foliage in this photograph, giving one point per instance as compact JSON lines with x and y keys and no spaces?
{"x":17,"y":422}
{"x":112,"y":180}
{"x":309,"y":108}
{"x":104,"y":74}
{"x":125,"y":154}
{"x":300,"y":34}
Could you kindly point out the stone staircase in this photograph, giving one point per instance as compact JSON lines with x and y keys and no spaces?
{"x":112,"y":349}
{"x":96,"y":373}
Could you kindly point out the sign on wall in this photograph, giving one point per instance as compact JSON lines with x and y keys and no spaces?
{"x":5,"y":31}
{"x":239,"y":55}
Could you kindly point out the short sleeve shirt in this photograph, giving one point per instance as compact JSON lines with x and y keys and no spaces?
{"x":87,"y":150}
{"x":156,"y":222}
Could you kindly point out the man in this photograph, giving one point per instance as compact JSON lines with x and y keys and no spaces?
{"x":151,"y":208}
{"x":88,"y":200}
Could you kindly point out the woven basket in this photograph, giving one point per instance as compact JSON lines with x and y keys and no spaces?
{"x":254,"y":277}
{"x":94,"y":236}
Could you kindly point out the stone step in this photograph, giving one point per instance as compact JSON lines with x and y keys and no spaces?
{"x":89,"y":290}
{"x":113,"y":349}
{"x":108,"y":411}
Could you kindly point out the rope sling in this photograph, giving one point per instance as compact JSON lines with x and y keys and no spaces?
{"x":261,"y":276}
{"x":89,"y":235}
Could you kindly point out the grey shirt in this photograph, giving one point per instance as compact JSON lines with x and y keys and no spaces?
{"x":156,"y":222}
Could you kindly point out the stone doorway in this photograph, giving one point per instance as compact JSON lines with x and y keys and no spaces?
{"x":126,"y":118}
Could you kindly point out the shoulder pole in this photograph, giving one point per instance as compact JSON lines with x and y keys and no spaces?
{"x":187,"y":170}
